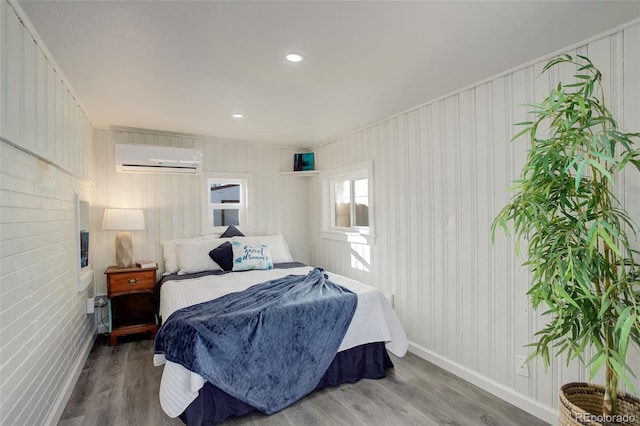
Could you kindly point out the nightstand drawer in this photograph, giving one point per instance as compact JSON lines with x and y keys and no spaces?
{"x":131,"y":282}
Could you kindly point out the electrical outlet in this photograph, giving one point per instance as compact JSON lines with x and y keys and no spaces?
{"x":90,"y":307}
{"x":522,"y":368}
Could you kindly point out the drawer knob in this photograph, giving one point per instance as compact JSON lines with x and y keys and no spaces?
{"x":132,"y":281}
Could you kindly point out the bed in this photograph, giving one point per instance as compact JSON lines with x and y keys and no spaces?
{"x":193,"y":278}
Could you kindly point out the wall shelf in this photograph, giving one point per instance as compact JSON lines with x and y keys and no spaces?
{"x":306,"y":173}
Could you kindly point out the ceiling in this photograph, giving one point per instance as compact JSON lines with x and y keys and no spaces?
{"x":186,"y":66}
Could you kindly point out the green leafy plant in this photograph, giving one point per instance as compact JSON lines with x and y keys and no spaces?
{"x":578,"y":248}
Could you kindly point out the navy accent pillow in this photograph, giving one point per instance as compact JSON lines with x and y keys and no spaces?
{"x":223,"y":256}
{"x":232,"y":231}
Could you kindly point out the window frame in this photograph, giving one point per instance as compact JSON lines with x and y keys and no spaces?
{"x":242,"y":179}
{"x":353,"y":234}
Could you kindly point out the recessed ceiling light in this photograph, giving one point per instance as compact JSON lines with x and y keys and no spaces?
{"x":294,"y":57}
{"x":237,"y":115}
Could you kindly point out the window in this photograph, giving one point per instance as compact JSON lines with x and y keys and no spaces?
{"x":347,"y":204}
{"x":226,"y":202}
{"x":351,"y":203}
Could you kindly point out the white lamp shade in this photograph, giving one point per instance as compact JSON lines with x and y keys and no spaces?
{"x":123,"y":219}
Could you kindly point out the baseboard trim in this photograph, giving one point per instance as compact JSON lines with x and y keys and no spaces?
{"x":60,"y":404}
{"x":503,"y":392}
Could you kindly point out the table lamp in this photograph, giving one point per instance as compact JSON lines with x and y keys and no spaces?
{"x":123,"y":220}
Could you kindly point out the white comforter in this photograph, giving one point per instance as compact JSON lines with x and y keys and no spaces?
{"x":373,"y":321}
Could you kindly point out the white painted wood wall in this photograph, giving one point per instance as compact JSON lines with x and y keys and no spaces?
{"x":440,"y":174}
{"x":45,"y":141}
{"x":173,"y":203}
{"x":440,"y":171}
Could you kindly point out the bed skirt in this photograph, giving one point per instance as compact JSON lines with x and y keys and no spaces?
{"x":367,"y":361}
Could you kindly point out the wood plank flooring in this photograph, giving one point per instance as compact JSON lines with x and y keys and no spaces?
{"x":119,"y":386}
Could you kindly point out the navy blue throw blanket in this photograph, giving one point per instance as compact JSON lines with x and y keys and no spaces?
{"x":267,"y":346}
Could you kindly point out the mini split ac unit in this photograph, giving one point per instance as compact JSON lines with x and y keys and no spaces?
{"x":157,"y":159}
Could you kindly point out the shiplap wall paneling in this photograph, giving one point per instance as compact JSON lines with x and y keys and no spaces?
{"x":483,"y":184}
{"x":411,"y":211}
{"x":117,"y":190}
{"x":630,"y":121}
{"x":43,"y":318}
{"x":29,"y":70}
{"x":12,"y":73}
{"x":50,"y":129}
{"x":39,"y":113}
{"x":40,"y":128}
{"x":461,"y":297}
{"x":439,"y":234}
{"x":466,"y":226}
{"x":381,"y":251}
{"x":58,"y":150}
{"x":454,"y":191}
{"x":501,"y":253}
{"x":425,"y":294}
{"x":173,"y":203}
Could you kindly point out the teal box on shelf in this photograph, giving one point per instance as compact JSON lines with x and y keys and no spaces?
{"x":303,"y":162}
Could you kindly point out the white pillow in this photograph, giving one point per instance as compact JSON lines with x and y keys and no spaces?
{"x":254,"y":256}
{"x":193,"y":256}
{"x":170,"y":253}
{"x":277,"y":246}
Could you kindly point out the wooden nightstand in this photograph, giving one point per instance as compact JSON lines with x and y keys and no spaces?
{"x":131,"y":301}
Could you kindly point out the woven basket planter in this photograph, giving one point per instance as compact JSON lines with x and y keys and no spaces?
{"x":581,"y":404}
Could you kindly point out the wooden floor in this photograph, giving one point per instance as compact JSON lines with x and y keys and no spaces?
{"x":119,"y":386}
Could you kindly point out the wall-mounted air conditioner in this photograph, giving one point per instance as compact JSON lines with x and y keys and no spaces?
{"x":157,"y":159}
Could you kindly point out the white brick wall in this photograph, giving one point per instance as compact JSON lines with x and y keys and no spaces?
{"x":43,"y":326}
{"x":45,"y":334}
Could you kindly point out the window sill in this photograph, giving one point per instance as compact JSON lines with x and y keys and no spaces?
{"x":348,"y":237}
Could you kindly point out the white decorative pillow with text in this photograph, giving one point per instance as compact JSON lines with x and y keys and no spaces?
{"x":246,"y":257}
{"x":277,"y":246}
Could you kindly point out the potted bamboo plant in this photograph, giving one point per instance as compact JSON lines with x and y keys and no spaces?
{"x":580,"y":241}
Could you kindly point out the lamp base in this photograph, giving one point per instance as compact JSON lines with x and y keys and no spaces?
{"x":124,"y":249}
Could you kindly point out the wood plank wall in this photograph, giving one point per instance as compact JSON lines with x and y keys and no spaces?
{"x":440,"y":175}
{"x":440,"y":171}
{"x":45,"y":142}
{"x":173,"y":203}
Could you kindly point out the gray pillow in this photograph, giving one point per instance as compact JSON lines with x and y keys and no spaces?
{"x":232,"y":231}
{"x":223,"y":256}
